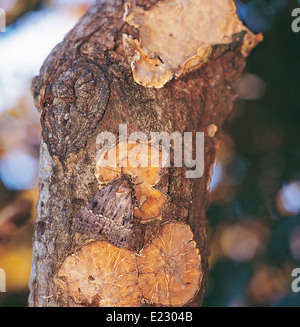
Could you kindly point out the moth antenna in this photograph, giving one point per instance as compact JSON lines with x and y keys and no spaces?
{"x":137,"y":183}
{"x":111,"y":169}
{"x":137,"y":205}
{"x":121,"y":173}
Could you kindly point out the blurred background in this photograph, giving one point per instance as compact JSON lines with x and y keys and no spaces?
{"x":254,"y":212}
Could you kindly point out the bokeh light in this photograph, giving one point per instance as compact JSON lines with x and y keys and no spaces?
{"x":18,"y":171}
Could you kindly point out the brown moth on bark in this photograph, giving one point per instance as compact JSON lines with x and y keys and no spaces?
{"x":155,"y":66}
{"x":110,"y":212}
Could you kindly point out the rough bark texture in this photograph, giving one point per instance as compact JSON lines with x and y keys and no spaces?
{"x":85,"y":86}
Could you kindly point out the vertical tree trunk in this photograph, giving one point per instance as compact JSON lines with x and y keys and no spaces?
{"x":86,"y":87}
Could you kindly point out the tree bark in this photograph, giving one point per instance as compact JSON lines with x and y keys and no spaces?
{"x":85,"y":87}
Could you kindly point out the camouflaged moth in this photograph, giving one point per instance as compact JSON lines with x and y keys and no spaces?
{"x":110,"y":212}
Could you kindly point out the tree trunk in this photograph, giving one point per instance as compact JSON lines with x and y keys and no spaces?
{"x":85,"y":87}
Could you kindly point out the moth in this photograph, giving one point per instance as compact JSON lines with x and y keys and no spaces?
{"x":110,"y":212}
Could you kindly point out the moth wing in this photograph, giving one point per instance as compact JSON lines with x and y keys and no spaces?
{"x":110,"y":211}
{"x":118,"y":216}
{"x":89,"y":218}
